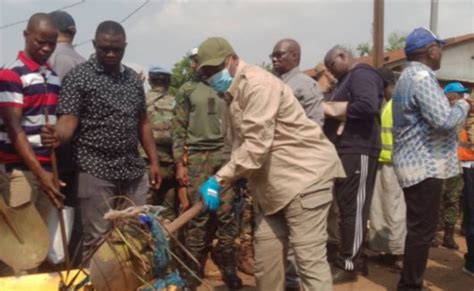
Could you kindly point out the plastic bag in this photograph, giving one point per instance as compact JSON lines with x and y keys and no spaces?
{"x":56,"y":250}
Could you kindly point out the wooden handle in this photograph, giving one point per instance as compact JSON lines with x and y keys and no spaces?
{"x":184,"y":218}
{"x":62,"y":223}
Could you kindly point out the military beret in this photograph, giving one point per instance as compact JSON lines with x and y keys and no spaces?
{"x":158,"y":70}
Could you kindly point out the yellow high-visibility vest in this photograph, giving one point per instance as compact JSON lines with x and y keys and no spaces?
{"x":387,"y":136}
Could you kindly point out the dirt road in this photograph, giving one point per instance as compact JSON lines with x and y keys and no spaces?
{"x":443,"y":273}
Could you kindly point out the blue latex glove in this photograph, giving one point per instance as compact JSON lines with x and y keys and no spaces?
{"x":211,"y":193}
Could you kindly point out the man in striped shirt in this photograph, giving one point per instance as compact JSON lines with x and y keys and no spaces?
{"x":28,"y":88}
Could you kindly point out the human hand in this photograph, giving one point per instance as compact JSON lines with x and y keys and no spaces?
{"x":48,"y":186}
{"x":49,"y":136}
{"x":155,"y":176}
{"x":182,"y":174}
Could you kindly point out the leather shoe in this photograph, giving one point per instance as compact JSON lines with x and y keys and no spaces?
{"x":340,"y":276}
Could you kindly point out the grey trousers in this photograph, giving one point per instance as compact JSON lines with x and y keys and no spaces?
{"x":301,"y":225}
{"x":96,"y":197}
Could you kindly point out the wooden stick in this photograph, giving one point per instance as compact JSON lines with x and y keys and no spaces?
{"x":62,"y":224}
{"x":184,"y":218}
{"x":189,"y":214}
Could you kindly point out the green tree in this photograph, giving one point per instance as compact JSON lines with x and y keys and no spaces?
{"x":267,"y":66}
{"x":180,"y":74}
{"x":364,"y":49}
{"x":395,"y":41}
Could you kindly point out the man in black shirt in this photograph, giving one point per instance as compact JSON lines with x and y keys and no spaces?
{"x":102,"y":108}
{"x":356,"y":135}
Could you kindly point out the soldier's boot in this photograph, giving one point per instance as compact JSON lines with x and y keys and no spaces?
{"x":225,"y":260}
{"x":194,"y":273}
{"x":245,"y":258}
{"x":448,"y":240}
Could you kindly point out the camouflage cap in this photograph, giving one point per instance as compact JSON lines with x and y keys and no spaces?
{"x":213,"y":51}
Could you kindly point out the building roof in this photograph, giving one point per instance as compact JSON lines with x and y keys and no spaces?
{"x":399,"y":54}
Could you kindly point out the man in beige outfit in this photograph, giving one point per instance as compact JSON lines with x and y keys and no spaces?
{"x":288,"y":161}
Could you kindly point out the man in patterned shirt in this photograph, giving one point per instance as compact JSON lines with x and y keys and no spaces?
{"x":102,"y":108}
{"x":424,"y":152}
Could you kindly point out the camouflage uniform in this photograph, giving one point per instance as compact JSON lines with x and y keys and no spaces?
{"x":245,"y":256}
{"x":197,"y":124}
{"x":160,"y":107}
{"x":452,"y":189}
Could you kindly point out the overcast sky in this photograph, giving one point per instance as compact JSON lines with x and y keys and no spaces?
{"x":163,"y":31}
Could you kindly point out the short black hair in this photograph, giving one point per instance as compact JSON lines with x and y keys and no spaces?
{"x":110,"y":27}
{"x":38,"y":18}
{"x":387,"y":75}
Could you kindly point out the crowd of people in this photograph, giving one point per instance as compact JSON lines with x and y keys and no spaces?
{"x":297,"y":168}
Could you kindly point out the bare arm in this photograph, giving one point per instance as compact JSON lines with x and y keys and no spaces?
{"x":148,"y":144}
{"x":12,"y":119}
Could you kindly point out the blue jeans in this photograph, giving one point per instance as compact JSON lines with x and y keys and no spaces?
{"x":468,"y":192}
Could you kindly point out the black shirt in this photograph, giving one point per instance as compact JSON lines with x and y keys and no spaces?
{"x":362,"y":87}
{"x":109,"y":108}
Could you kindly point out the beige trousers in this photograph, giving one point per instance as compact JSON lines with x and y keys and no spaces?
{"x":20,"y":187}
{"x":387,"y":229}
{"x":301,"y":225}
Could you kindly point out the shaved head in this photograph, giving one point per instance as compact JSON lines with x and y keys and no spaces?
{"x":39,"y":20}
{"x":290,"y":45}
{"x":286,"y":56}
{"x":40,"y":37}
{"x":339,"y":61}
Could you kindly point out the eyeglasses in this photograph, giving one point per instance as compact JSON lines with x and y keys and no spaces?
{"x":333,"y":62}
{"x":278,"y":55}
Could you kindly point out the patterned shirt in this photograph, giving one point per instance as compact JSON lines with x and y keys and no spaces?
{"x":425,"y":139}
{"x":109,"y":107}
{"x":33,"y":88}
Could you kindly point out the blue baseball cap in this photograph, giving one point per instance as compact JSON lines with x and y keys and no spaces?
{"x":455,"y":87}
{"x":420,"y":38}
{"x":158,"y":70}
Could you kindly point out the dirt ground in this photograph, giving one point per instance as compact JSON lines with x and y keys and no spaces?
{"x":443,"y":273}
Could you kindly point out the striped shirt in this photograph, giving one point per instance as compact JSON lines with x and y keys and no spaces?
{"x":31,"y":87}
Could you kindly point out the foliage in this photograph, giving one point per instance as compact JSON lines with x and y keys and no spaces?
{"x":364,"y":49}
{"x":395,"y":41}
{"x":266,"y":66}
{"x":181,"y":73}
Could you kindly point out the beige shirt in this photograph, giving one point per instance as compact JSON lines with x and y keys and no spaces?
{"x":275,"y":145}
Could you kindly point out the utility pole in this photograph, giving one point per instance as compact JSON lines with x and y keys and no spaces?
{"x":378,"y":33}
{"x":434,"y":16}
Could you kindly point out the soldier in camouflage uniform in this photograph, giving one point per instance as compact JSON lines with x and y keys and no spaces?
{"x":452,"y":189}
{"x":197,"y":125}
{"x":160,"y":107}
{"x":245,"y":255}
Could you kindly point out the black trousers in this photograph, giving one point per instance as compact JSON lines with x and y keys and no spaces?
{"x":354,"y":195}
{"x":468,"y":192}
{"x":422,"y":202}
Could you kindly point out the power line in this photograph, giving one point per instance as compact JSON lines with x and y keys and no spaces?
{"x":24,"y":21}
{"x":121,"y":21}
{"x":135,"y":11}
